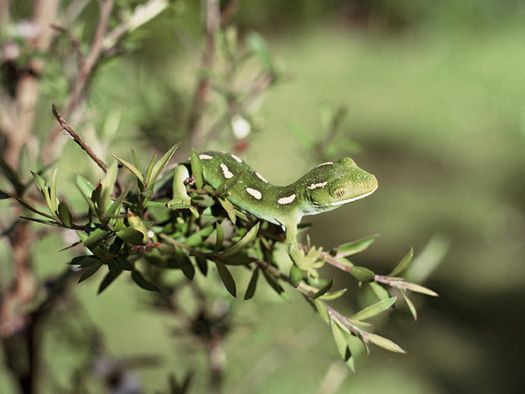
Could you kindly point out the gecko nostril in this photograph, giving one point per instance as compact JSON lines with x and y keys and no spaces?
{"x":340,"y":192}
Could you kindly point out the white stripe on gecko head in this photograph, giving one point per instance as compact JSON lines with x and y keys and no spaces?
{"x":317,"y":185}
{"x":286,"y":200}
{"x":226,"y":171}
{"x":254,"y":193}
{"x":325,"y":164}
{"x":261,"y":177}
{"x":204,"y":156}
{"x":236,"y":158}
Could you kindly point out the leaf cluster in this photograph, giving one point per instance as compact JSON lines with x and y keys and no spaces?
{"x":167,"y":218}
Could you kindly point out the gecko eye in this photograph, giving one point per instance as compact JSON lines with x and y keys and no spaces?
{"x":339,"y":192}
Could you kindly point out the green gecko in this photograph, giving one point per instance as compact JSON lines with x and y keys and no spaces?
{"x":322,"y":189}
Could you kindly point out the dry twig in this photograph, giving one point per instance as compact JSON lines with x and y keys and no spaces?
{"x":67,"y":128}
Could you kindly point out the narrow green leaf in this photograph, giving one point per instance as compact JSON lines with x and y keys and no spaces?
{"x":136,"y":162}
{"x":44,"y":189}
{"x":84,"y":261}
{"x":384,"y":343}
{"x":89,"y":271}
{"x":51,"y":222}
{"x":11,"y":176}
{"x":149,"y":170}
{"x":403,"y":264}
{"x":85,"y":187}
{"x":134,"y":170}
{"x":410,"y":305}
{"x":258,"y":46}
{"x":243,"y":242}
{"x":219,"y":236}
{"x":237,"y":259}
{"x":226,"y":278}
{"x":274,"y":284}
{"x":379,"y":291}
{"x":229,"y":208}
{"x":321,"y":309}
{"x":202,"y":264}
{"x":159,"y":166}
{"x":131,"y":236}
{"x":323,"y":290}
{"x":419,"y":289}
{"x":116,"y":245}
{"x":362,"y":274}
{"x":53,"y":192}
{"x":40,"y":182}
{"x":33,"y":209}
{"x":69,"y":246}
{"x":196,"y":169}
{"x":185,"y":264}
{"x":108,"y":279}
{"x":139,"y":279}
{"x":374,"y":310}
{"x":198,"y":238}
{"x":95,"y":237}
{"x":106,"y":187}
{"x":332,"y":296}
{"x":340,"y":341}
{"x":115,"y":205}
{"x":354,"y":247}
{"x":252,"y":285}
{"x":64,"y":214}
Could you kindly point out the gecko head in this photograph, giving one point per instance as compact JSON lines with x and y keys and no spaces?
{"x":333,"y":184}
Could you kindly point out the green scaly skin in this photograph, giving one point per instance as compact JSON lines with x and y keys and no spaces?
{"x":322,"y":189}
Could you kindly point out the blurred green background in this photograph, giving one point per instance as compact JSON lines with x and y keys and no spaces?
{"x":436,"y":98}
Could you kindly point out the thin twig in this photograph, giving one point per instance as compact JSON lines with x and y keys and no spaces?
{"x":67,"y":128}
{"x":27,"y":88}
{"x":141,"y":15}
{"x":92,"y":57}
{"x":74,"y":41}
{"x":4,"y":14}
{"x":229,"y":11}
{"x":84,"y":76}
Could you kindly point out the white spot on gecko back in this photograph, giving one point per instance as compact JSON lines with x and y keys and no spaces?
{"x":325,"y":164}
{"x":261,"y":177}
{"x":286,"y":200}
{"x":226,"y":171}
{"x":254,"y":193}
{"x":236,"y":158}
{"x":204,"y":156}
{"x":317,"y":185}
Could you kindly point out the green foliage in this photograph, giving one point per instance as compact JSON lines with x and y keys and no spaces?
{"x":173,"y":220}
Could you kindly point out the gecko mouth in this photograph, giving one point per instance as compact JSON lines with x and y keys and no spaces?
{"x":336,"y":203}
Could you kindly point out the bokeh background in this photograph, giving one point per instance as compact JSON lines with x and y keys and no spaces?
{"x":436,"y":109}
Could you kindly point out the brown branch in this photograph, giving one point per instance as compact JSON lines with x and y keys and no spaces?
{"x":141,"y":14}
{"x":27,"y":89}
{"x":229,"y":11}
{"x":74,"y":41}
{"x":4,"y":14}
{"x":106,"y":7}
{"x":83,"y":78}
{"x":24,"y":285}
{"x":68,"y":129}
